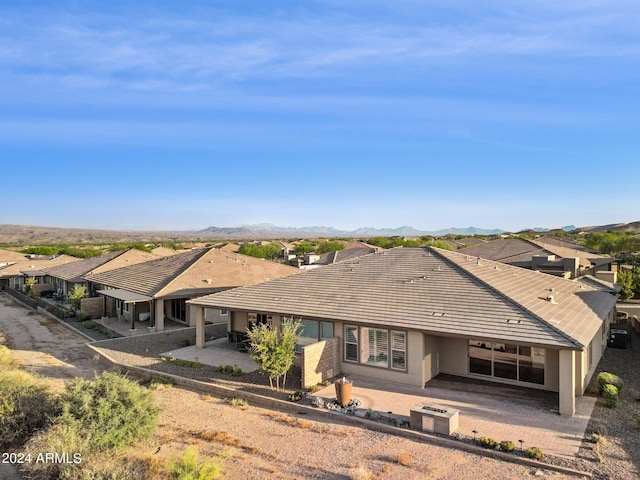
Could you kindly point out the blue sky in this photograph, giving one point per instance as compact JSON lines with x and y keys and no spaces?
{"x":182,"y":115}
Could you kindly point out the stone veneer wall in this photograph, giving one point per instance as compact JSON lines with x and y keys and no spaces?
{"x":320,"y":361}
{"x":93,"y":306}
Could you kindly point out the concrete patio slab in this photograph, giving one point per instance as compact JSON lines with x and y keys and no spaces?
{"x":122,"y":327}
{"x":216,"y":352}
{"x":500,"y":412}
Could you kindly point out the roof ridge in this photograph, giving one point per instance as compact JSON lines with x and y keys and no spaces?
{"x":504,"y":295}
{"x":180,"y":271}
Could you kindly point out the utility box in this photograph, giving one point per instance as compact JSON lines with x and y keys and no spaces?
{"x":618,"y":338}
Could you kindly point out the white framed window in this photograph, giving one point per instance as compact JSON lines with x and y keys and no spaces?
{"x":398,"y":350}
{"x":376,"y":347}
{"x":224,"y":313}
{"x":350,"y":343}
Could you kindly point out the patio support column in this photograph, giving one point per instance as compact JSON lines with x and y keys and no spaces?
{"x":159,"y":314}
{"x":198,"y":313}
{"x":567,"y":382}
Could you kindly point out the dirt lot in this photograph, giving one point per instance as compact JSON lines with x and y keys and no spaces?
{"x":258,"y":443}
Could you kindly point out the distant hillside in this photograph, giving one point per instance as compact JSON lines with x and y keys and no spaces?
{"x":26,"y":235}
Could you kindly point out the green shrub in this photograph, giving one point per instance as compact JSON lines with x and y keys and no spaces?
{"x":6,"y":359}
{"x":81,"y":464}
{"x":184,"y":342}
{"x":158,"y":383}
{"x":487,"y":442}
{"x":610,"y":394}
{"x":112,"y":411}
{"x":84,"y":316}
{"x":507,"y":446}
{"x":606,"y":378}
{"x":295,"y":396}
{"x":89,"y":324}
{"x":238,"y":402}
{"x":189,"y":467}
{"x":535,"y":453}
{"x":313,"y":388}
{"x":26,"y":404}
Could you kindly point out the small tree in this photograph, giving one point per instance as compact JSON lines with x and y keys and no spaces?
{"x":79,"y":292}
{"x":273,"y":350}
{"x":29,"y":283}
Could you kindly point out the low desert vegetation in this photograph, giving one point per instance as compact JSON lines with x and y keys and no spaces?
{"x":189,"y":466}
{"x":26,"y":403}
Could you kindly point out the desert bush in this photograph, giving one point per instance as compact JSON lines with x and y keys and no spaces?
{"x":507,"y":446}
{"x":313,"y":388}
{"x":158,"y":383}
{"x":238,"y":402}
{"x":6,"y":359}
{"x":88,"y":324}
{"x":26,"y":405}
{"x":189,"y":467}
{"x":487,"y":442}
{"x":112,"y":411}
{"x":184,"y":342}
{"x":295,"y":396}
{"x":84,"y":317}
{"x":535,"y":453}
{"x":606,"y":378}
{"x":362,"y":473}
{"x":373,"y":415}
{"x":317,"y":402}
{"x":79,"y":464}
{"x":403,"y":458}
{"x":611,"y":396}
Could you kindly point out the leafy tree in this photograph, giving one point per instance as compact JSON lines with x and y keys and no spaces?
{"x":625,"y":280}
{"x":29,"y":283}
{"x":304,"y":247}
{"x":77,"y":294}
{"x":270,"y":251}
{"x":273,"y":350}
{"x":329,"y":246}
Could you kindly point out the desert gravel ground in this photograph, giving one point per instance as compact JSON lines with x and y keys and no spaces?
{"x":257,"y":443}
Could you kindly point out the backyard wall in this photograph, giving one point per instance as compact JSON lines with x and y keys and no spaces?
{"x":320,"y":361}
{"x":93,"y":306}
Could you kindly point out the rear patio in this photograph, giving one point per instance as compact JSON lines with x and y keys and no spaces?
{"x":502,"y":412}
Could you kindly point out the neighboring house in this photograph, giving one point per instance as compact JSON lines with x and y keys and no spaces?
{"x":8,"y":257}
{"x":351,"y":251}
{"x":158,"y":289}
{"x":64,"y":278}
{"x":409,"y":314}
{"x":545,"y":257}
{"x":15,"y":275}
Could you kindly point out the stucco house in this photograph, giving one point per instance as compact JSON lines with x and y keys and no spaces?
{"x":543,"y":255}
{"x":15,"y":275}
{"x":63,"y":278}
{"x":158,"y":289}
{"x":409,"y":314}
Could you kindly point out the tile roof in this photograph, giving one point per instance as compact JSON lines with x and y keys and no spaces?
{"x":9,"y":256}
{"x":76,"y":270}
{"x":437,"y":291}
{"x":344,"y":254}
{"x":197,"y":271}
{"x":35,"y":265}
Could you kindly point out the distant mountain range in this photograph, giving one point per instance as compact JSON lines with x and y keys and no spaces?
{"x":269,"y":230}
{"x":30,"y":235}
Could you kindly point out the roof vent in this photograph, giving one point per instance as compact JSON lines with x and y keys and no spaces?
{"x":552,"y":299}
{"x":208,"y":280}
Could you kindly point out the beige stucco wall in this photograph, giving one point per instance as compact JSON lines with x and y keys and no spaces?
{"x":320,"y":361}
{"x":212,"y":315}
{"x":453,"y":355}
{"x":415,"y":361}
{"x":551,"y":364}
{"x":431,"y":357}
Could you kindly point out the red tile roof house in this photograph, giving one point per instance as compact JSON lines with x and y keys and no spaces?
{"x":158,"y":289}
{"x":409,"y":314}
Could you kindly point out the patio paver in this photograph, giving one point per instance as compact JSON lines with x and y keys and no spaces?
{"x":500,"y":412}
{"x":216,"y":352}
